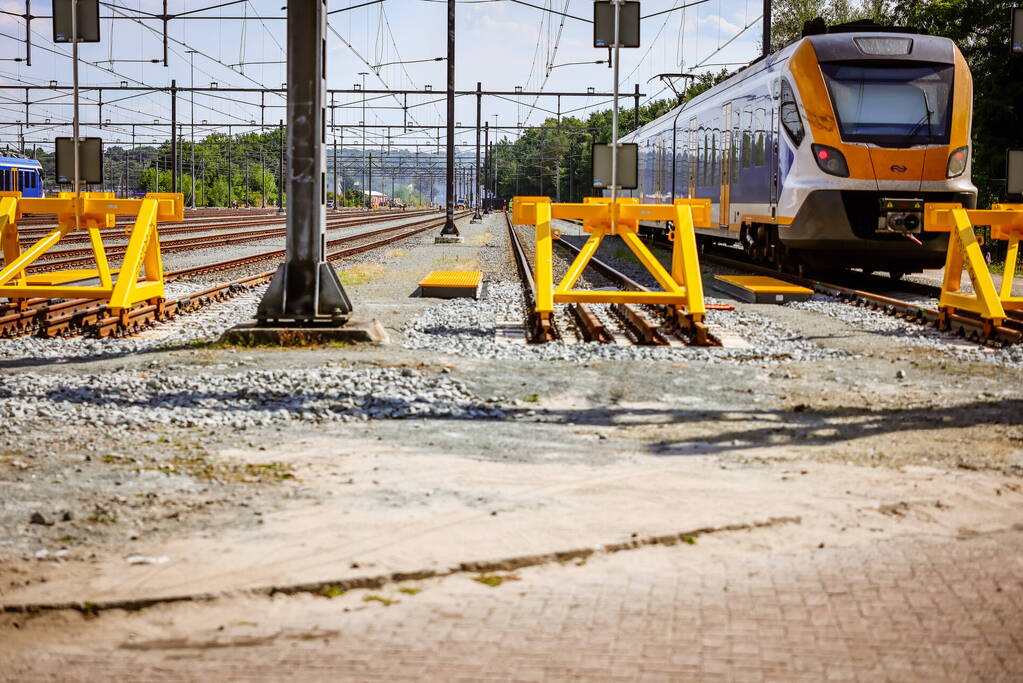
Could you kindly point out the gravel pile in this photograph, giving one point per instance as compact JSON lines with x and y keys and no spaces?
{"x":204,"y":325}
{"x":912,"y":334}
{"x":467,"y":328}
{"x":240,"y":400}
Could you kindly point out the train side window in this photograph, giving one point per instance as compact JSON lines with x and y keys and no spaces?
{"x":759,"y":137}
{"x":4,"y":180}
{"x":790,"y":117}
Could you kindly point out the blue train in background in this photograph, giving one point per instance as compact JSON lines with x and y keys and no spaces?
{"x":18,"y":174}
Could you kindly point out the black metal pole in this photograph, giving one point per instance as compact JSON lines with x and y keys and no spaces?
{"x":369,"y":181}
{"x":636,"y":107}
{"x":486,"y":161}
{"x":280,"y":184}
{"x":450,"y":230}
{"x":476,"y":181}
{"x":230,"y":173}
{"x":766,"y":39}
{"x":305,"y":289}
{"x":174,"y":136}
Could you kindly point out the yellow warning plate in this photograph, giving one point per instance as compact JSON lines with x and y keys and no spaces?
{"x":453,"y":278}
{"x":763,"y":283}
{"x":761,"y":289}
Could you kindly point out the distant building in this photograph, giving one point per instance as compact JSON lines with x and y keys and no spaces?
{"x":377,"y":198}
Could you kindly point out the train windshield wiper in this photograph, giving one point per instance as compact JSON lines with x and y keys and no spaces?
{"x":925,"y":119}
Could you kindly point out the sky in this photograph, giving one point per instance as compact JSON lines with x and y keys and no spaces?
{"x":499,"y":43}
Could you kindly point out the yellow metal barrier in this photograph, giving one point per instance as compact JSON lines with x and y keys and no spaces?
{"x":682,"y":287}
{"x":140,"y":276}
{"x":1006,"y":221}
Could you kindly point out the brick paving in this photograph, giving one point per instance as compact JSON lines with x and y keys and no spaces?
{"x":922,"y":609}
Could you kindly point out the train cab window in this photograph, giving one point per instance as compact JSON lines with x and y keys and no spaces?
{"x":5,"y":179}
{"x":892,"y":104}
{"x":791,"y":119}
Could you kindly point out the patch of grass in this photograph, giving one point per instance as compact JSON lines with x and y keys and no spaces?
{"x":361,"y":273}
{"x":89,"y":610}
{"x":625,"y":254}
{"x":386,"y":602}
{"x":689,"y":539}
{"x":410,"y":590}
{"x":101,"y":515}
{"x":396,"y":253}
{"x":66,"y":539}
{"x":532,"y":398}
{"x":495,"y":580}
{"x":330,"y":591}
{"x":199,"y":466}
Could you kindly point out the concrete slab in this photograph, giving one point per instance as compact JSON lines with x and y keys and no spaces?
{"x":352,"y":332}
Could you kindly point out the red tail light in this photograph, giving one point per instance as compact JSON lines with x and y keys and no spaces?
{"x":957,"y":162}
{"x":830,"y":160}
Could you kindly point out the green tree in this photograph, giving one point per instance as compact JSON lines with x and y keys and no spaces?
{"x":981,"y":30}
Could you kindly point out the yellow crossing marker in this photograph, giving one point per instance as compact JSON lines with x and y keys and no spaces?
{"x":140,"y":276}
{"x":450,"y":284}
{"x":682,"y":288}
{"x":1006,"y":221}
{"x":761,"y":289}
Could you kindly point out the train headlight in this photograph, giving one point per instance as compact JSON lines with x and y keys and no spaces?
{"x":830,"y":160}
{"x":957,"y":162}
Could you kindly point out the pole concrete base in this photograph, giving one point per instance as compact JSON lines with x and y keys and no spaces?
{"x":449,"y":239}
{"x":355,"y":331}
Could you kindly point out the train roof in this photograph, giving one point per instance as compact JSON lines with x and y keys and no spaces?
{"x":838,"y":44}
{"x":20,"y":162}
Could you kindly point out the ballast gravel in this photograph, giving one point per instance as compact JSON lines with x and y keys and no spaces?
{"x":909,"y":333}
{"x":203,"y":325}
{"x":239,"y":400}
{"x":470,"y":328}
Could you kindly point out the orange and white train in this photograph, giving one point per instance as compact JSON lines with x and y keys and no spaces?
{"x":822,"y":154}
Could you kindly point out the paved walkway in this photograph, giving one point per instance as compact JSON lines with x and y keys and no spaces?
{"x":901,"y":609}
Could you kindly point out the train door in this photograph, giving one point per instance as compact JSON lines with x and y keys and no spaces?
{"x":726,"y":163}
{"x":773,"y":161}
{"x":693,"y":142}
{"x":658,"y":183}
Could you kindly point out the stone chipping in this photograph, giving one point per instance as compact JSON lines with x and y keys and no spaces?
{"x":251,"y":398}
{"x":469,"y":328}
{"x":909,"y":333}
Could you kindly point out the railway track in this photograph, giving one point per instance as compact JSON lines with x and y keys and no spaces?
{"x":66,"y":258}
{"x":620,"y":322}
{"x":54,"y":318}
{"x":961,"y":324}
{"x":30,"y":235}
{"x":76,"y":257}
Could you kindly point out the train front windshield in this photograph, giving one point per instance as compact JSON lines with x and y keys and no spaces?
{"x":894,"y":106}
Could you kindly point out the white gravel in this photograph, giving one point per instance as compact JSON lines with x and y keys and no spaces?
{"x":910,"y":333}
{"x":203,"y":325}
{"x":466,"y":327}
{"x":239,"y":400}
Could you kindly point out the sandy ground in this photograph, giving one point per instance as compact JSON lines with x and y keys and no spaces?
{"x":598,"y":471}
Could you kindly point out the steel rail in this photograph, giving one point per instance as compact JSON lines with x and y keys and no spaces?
{"x":971,"y":328}
{"x":79,"y":256}
{"x":148,"y":313}
{"x":55,"y":318}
